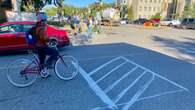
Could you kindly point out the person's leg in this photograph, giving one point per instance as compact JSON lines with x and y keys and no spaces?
{"x":53,"y":56}
{"x":89,"y":33}
{"x":42,"y":56}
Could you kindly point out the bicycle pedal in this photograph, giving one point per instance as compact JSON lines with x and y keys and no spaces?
{"x":49,"y":75}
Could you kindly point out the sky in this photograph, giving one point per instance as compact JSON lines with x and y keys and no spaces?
{"x":84,"y":3}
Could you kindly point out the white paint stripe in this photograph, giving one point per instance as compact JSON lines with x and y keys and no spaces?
{"x":145,"y":98}
{"x":138,"y":94}
{"x":119,"y":80}
{"x":98,"y":91}
{"x":91,"y":73}
{"x":156,"y":74}
{"x":105,"y":57}
{"x":129,"y":87}
{"x":161,"y":94}
{"x":114,"y":69}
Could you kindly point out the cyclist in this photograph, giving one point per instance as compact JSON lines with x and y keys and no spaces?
{"x":38,"y":32}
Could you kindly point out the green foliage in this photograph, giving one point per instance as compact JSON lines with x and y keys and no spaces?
{"x":187,"y":10}
{"x":193,"y":10}
{"x":39,"y":4}
{"x":156,"y":16}
{"x":123,"y":11}
{"x":51,"y":11}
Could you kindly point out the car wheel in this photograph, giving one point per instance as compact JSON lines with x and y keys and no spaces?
{"x":170,"y":25}
{"x":184,"y":27}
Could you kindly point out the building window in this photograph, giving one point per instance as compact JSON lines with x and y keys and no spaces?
{"x":145,"y":8}
{"x":150,"y":8}
{"x":140,"y":8}
{"x":154,"y":9}
{"x":158,"y":9}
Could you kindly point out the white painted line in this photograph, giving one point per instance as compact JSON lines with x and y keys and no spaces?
{"x":129,"y":87}
{"x":157,"y":74}
{"x":161,"y":94}
{"x":105,"y":57}
{"x":98,"y":91}
{"x":119,"y":80}
{"x":138,"y":94}
{"x":102,"y":66}
{"x":145,"y":98}
{"x":114,"y":69}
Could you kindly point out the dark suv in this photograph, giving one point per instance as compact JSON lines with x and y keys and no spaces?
{"x":188,"y":23}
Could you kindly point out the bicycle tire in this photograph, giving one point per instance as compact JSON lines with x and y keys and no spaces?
{"x":66,"y":67}
{"x":14,"y":73}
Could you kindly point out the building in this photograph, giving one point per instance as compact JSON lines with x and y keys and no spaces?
{"x":124,"y":2}
{"x":148,"y":8}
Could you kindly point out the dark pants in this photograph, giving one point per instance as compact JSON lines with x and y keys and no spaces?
{"x":43,"y":52}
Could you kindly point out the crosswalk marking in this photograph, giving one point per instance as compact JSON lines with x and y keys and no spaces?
{"x":115,"y":103}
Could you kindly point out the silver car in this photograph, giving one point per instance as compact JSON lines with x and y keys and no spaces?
{"x":188,"y":23}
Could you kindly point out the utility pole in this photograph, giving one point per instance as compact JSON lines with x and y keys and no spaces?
{"x":18,"y":2}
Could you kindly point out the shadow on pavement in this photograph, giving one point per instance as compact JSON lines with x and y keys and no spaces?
{"x":81,"y":39}
{"x":185,"y":48}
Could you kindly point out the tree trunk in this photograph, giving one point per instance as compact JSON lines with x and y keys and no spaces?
{"x":4,"y":6}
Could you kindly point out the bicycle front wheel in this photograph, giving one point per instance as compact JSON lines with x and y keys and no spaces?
{"x":22,"y":72}
{"x":66,"y":67}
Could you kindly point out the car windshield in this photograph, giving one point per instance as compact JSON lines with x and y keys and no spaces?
{"x":26,"y":27}
{"x":4,"y":29}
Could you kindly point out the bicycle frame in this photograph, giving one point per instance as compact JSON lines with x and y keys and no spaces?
{"x":32,"y":70}
{"x":37,"y":68}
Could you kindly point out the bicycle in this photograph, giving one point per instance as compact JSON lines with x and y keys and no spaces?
{"x":24,"y":72}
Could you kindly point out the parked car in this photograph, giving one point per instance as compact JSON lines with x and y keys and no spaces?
{"x":170,"y":22}
{"x":124,"y":21}
{"x":12,"y":35}
{"x":140,"y":21}
{"x":188,"y":23}
{"x":155,"y":22}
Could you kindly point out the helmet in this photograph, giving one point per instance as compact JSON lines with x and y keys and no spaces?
{"x":41,"y":17}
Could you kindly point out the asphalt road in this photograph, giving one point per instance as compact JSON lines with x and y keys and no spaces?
{"x":118,"y":75}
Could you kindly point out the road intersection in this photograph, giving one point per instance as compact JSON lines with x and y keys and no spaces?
{"x":118,"y":75}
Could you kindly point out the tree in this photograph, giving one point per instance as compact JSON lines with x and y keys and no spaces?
{"x":51,"y":11}
{"x":123,"y":11}
{"x":29,"y":5}
{"x":187,"y":10}
{"x":156,"y":16}
{"x":38,"y":4}
{"x":4,"y":6}
{"x":193,"y":10}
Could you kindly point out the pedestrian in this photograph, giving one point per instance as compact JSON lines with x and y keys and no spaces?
{"x":90,"y":26}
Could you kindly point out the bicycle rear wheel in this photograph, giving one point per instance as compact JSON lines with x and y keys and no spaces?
{"x":22,"y":73}
{"x":66,"y":67}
